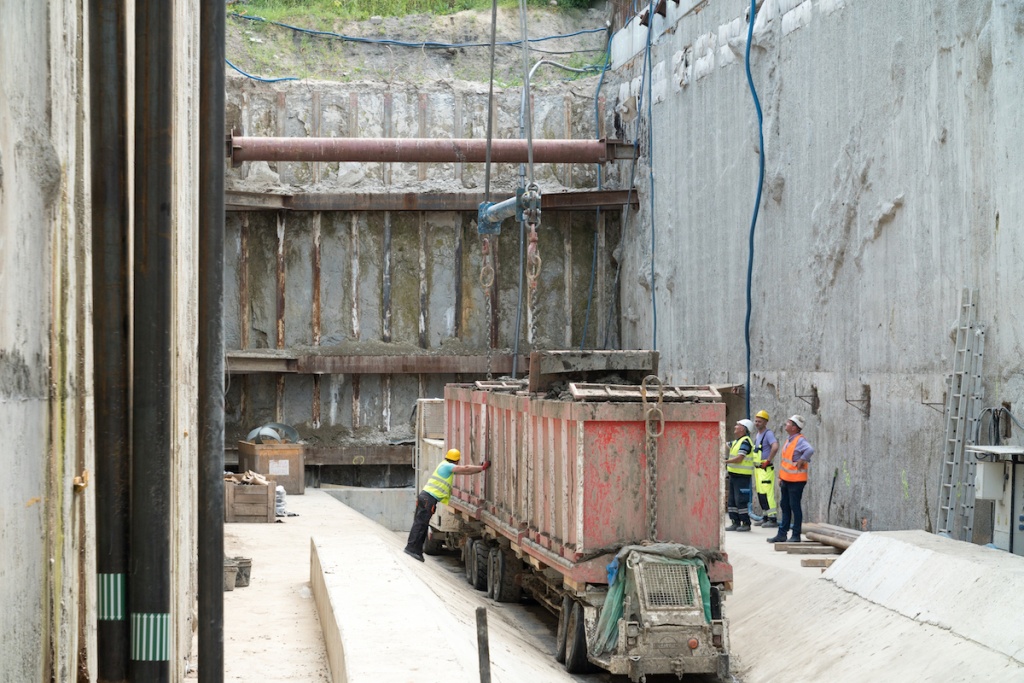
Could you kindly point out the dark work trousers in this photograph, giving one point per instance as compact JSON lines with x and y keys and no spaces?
{"x":790,"y":494}
{"x":739,"y":501}
{"x":426,"y":504}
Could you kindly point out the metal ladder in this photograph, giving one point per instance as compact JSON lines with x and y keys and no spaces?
{"x":963,"y":407}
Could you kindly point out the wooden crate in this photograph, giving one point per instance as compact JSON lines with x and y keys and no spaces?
{"x":246,"y":503}
{"x":283,"y":462}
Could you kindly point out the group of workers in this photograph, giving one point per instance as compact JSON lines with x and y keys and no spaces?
{"x":750,"y":467}
{"x":751,"y":460}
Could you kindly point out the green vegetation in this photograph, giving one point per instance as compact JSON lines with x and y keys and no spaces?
{"x":323,"y":13}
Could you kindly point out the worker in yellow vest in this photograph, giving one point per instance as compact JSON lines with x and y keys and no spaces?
{"x":437,"y":490}
{"x":765,"y":448}
{"x":739,"y":465}
{"x":796,"y":460}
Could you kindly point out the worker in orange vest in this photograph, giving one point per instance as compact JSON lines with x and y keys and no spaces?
{"x":796,"y":458}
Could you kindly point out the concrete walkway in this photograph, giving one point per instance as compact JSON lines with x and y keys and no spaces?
{"x":897,"y":606}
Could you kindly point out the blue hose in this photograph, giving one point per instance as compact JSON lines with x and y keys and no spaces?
{"x":760,"y":185}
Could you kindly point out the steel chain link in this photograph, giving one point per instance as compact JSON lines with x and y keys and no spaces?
{"x":654,"y":420}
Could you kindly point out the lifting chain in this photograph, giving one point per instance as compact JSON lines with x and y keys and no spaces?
{"x":531,"y":216}
{"x":486,"y":282}
{"x":654,"y":419}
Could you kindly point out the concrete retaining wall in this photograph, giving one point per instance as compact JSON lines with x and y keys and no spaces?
{"x":390,"y":508}
{"x":891,"y":183}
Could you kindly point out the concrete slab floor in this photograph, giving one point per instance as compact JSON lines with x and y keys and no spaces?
{"x":787,"y":621}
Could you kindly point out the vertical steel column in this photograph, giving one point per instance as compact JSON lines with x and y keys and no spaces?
{"x":149,"y":578}
{"x":108,"y":66}
{"x":211,"y":343}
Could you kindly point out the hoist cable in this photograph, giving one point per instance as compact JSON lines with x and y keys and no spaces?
{"x":526,"y":88}
{"x":490,"y":104}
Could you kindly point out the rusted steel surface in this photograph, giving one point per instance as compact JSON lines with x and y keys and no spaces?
{"x":359,"y":455}
{"x":567,"y":480}
{"x":397,"y":365}
{"x":418,"y":201}
{"x":429,"y":150}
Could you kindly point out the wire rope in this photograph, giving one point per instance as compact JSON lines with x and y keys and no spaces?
{"x":649,"y":75}
{"x":490,"y":104}
{"x":600,"y":186}
{"x":526,"y":87}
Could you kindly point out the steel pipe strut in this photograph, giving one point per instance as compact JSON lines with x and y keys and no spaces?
{"x":425,"y":150}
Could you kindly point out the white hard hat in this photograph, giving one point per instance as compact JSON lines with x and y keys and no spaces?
{"x":747,"y":424}
{"x":798,"y":420}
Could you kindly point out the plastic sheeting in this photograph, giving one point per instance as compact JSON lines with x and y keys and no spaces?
{"x":623,"y":583}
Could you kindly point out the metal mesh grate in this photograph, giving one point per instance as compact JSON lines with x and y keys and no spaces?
{"x":668,"y":585}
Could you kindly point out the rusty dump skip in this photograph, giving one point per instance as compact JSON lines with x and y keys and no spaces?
{"x":569,"y":478}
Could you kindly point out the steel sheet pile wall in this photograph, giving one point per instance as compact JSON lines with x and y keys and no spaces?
{"x":569,"y":479}
{"x":306,"y":288}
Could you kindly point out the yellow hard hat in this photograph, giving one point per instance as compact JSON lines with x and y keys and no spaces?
{"x":763,"y":414}
{"x":453,"y":455}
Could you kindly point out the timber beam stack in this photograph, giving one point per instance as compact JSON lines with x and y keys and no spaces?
{"x":830,"y":534}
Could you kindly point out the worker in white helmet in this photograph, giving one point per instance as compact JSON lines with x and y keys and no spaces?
{"x":796,"y":460}
{"x":739,"y":467}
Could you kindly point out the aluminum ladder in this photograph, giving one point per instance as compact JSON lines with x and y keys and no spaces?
{"x":963,"y":408}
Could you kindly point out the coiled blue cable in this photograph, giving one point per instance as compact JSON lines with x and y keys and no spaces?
{"x":757,"y":203}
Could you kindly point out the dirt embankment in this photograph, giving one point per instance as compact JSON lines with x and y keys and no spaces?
{"x":393,"y":51}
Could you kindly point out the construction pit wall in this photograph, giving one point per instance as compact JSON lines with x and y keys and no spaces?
{"x":48,"y":360}
{"x":891,"y":184}
{"x":361,"y":312}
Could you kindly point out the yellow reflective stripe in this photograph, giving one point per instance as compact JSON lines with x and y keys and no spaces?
{"x":440,"y":487}
{"x":747,"y":464}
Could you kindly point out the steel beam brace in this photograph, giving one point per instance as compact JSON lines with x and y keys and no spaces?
{"x":424,"y":150}
{"x":417,"y":201}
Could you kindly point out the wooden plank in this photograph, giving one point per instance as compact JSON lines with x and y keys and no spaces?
{"x":359,"y":455}
{"x":784,"y":546}
{"x":809,"y":549}
{"x":817,"y":561}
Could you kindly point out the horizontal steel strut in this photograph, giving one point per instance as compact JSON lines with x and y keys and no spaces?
{"x":429,"y":150}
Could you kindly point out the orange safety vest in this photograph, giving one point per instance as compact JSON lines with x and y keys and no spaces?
{"x":788,"y":470}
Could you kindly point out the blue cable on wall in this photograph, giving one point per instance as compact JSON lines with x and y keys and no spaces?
{"x":757,"y":202}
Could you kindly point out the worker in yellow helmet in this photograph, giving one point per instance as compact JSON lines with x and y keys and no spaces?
{"x":437,"y":490}
{"x":765,"y":448}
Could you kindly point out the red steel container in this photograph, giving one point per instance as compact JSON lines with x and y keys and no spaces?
{"x":569,"y":479}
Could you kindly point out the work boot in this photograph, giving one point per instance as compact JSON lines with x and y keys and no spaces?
{"x":743,"y":527}
{"x":777,"y":538}
{"x":410,"y":553}
{"x":795,"y":538}
{"x":770,"y":524}
{"x":732,"y":527}
{"x":760,"y":523}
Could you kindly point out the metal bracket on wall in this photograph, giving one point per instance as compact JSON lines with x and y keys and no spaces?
{"x":941,"y":405}
{"x":866,"y":400}
{"x":811,"y":399}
